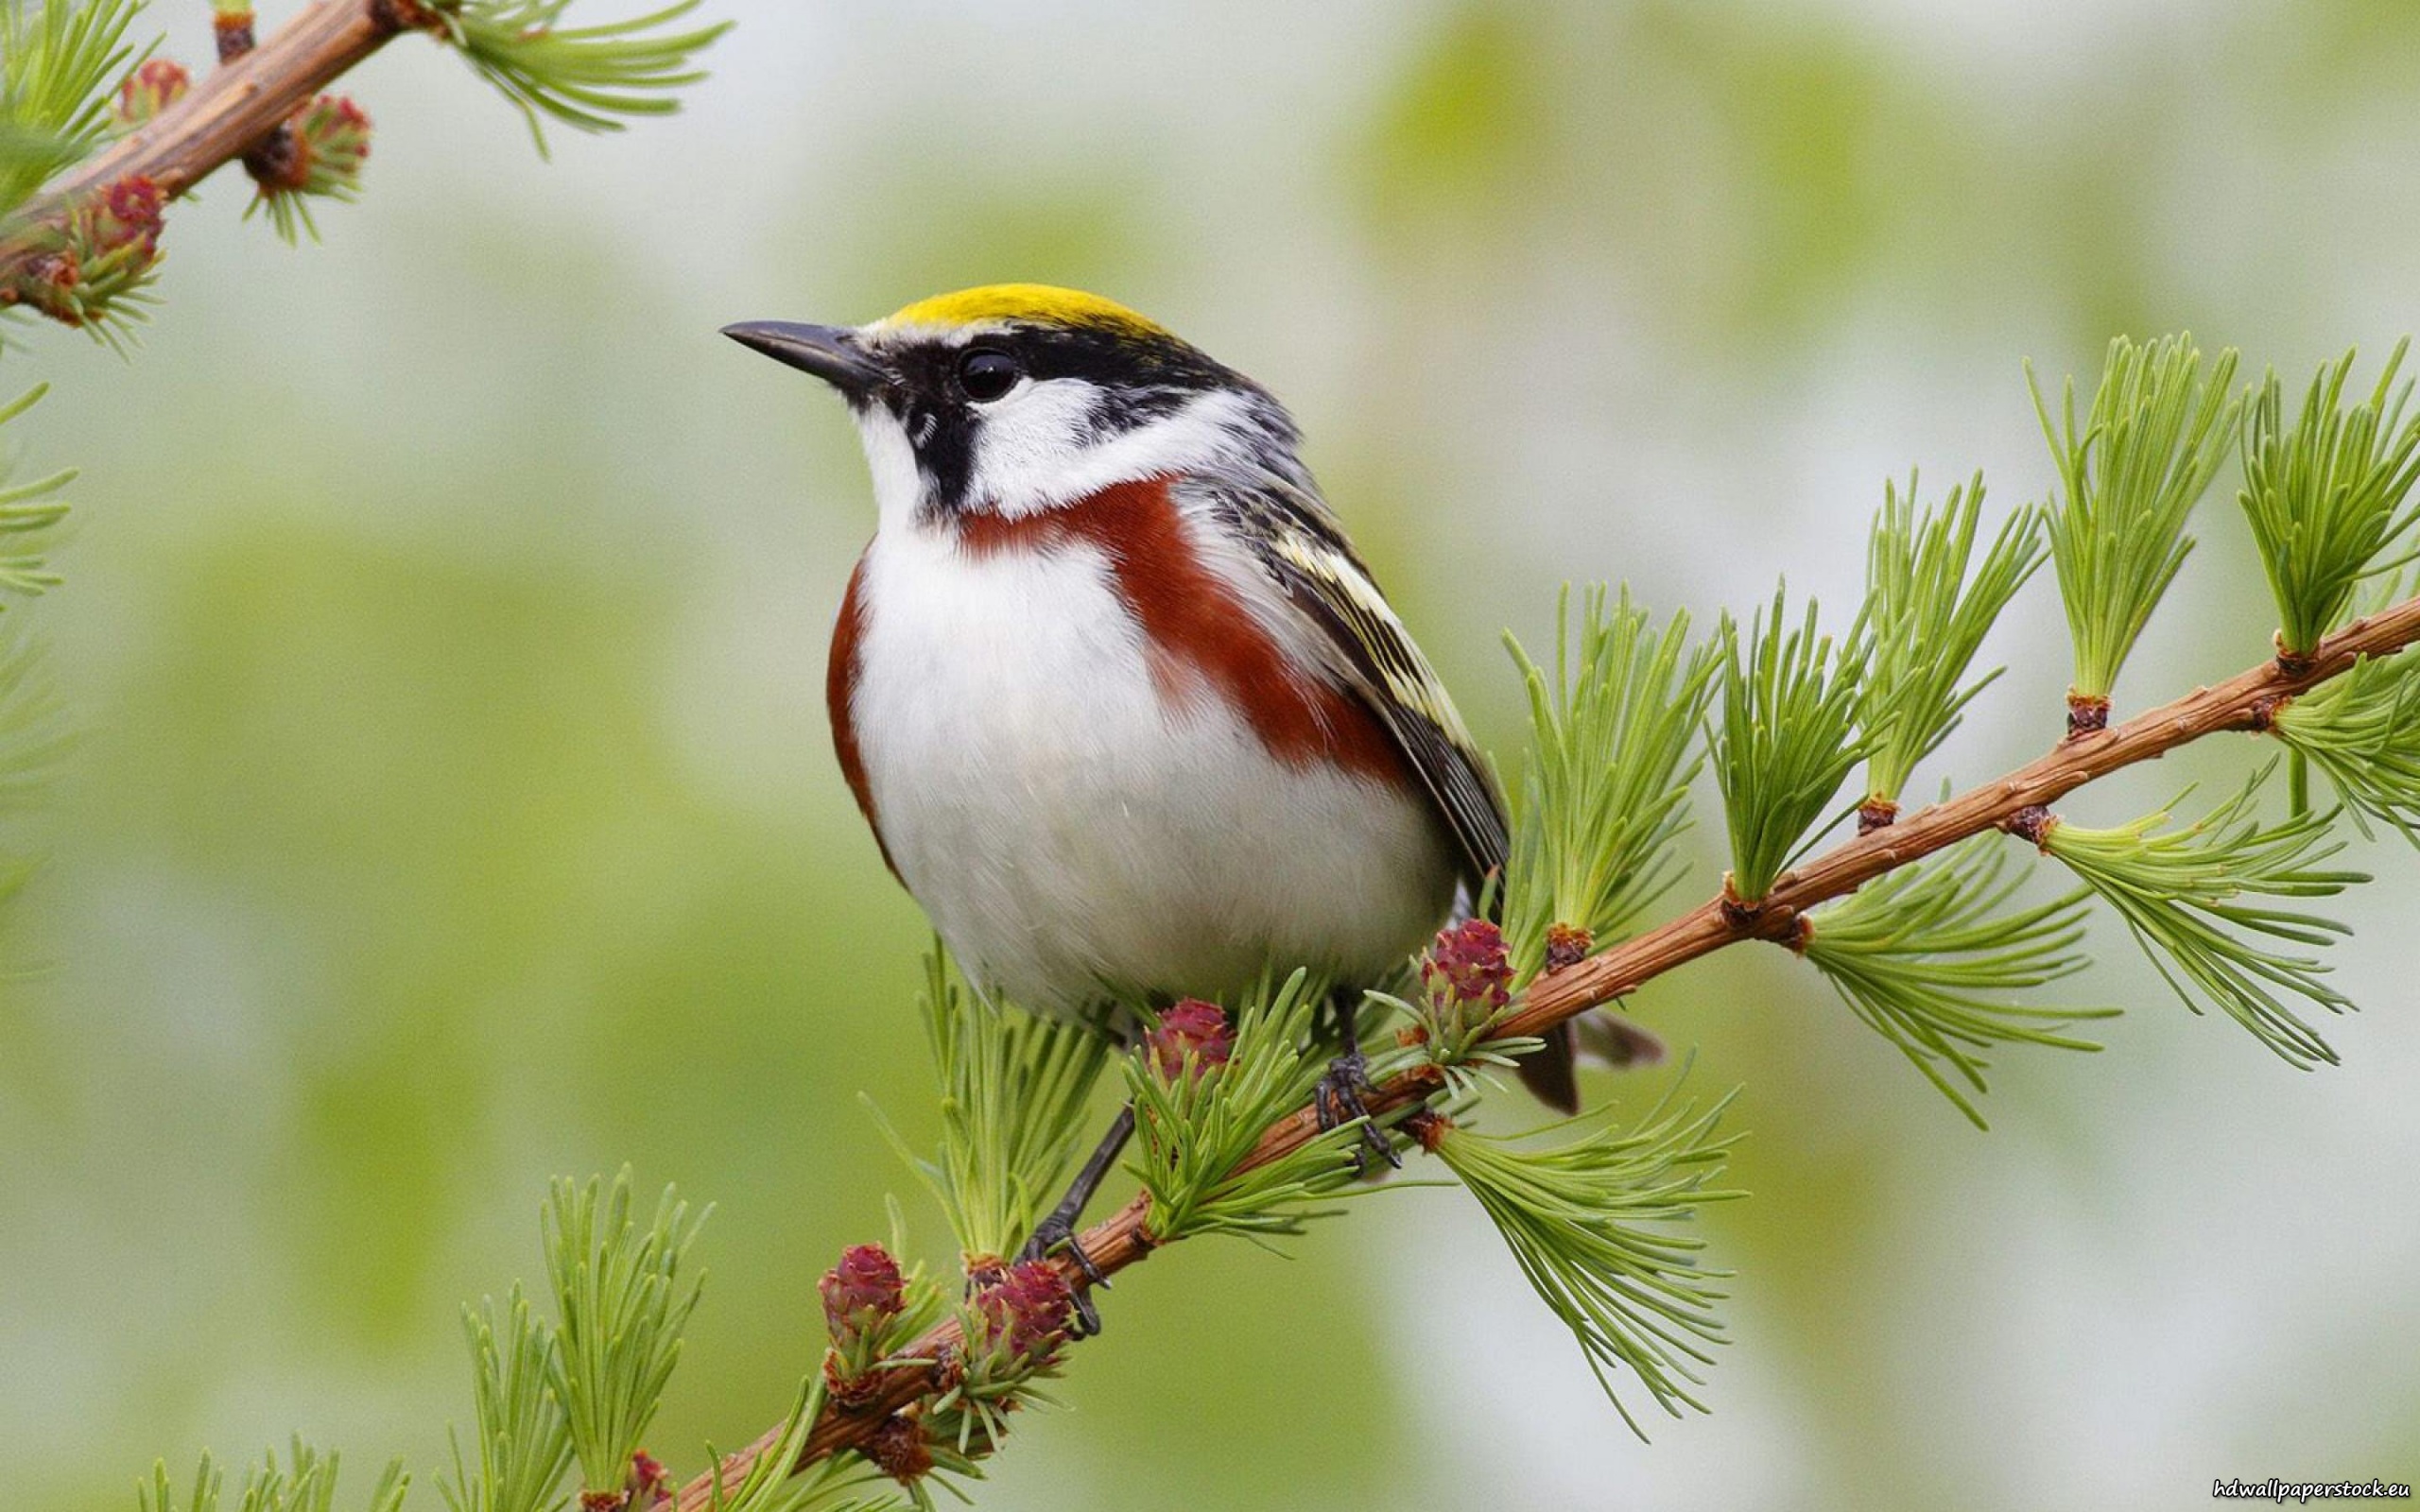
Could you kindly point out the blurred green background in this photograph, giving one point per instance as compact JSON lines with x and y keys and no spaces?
{"x":453,"y":805}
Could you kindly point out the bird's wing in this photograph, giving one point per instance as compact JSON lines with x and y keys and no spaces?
{"x":1366,"y":648}
{"x":1298,"y":543}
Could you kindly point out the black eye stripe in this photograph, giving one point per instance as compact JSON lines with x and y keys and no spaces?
{"x":1141,"y":376}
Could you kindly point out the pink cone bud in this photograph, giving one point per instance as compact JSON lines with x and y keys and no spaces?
{"x":1467,"y":969}
{"x":337,"y":128}
{"x":102,"y":246}
{"x":127,"y":215}
{"x":150,"y":89}
{"x":861,"y":1292}
{"x":1192,"y":1028}
{"x":1025,"y":1317}
{"x":650,"y":1481}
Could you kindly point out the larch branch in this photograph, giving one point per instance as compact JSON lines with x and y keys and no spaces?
{"x":229,"y":109}
{"x":2244,"y":702}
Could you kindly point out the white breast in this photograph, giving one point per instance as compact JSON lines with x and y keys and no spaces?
{"x":1073,"y":836}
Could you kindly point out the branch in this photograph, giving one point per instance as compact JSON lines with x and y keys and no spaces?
{"x":230,"y":108}
{"x":2247,"y":701}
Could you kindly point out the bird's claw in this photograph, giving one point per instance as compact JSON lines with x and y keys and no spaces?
{"x":1058,"y":1233}
{"x":1339,"y":1101}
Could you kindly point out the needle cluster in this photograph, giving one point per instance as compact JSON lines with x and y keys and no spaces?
{"x":1929,"y":958}
{"x":317,"y":155}
{"x":57,"y":60}
{"x":2190,"y":896}
{"x":1787,"y":737}
{"x":29,"y":511}
{"x":623,"y":1294}
{"x":521,"y":1440}
{"x":2328,"y":495}
{"x":579,"y":1391}
{"x":1014,"y":1089}
{"x":588,"y":77}
{"x":1929,"y":613}
{"x":1588,"y":1221}
{"x":1194,"y":1129}
{"x":305,"y":1482}
{"x":90,"y":259}
{"x":1604,"y":787}
{"x":2362,"y":731}
{"x":2129,"y":476}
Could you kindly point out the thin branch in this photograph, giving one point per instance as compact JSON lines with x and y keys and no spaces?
{"x":228,"y":110}
{"x":2244,"y":702}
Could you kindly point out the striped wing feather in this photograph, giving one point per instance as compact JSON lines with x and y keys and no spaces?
{"x":1306,"y":553}
{"x":1326,"y":582}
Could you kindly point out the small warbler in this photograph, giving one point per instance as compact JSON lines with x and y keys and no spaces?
{"x":1129,"y":717}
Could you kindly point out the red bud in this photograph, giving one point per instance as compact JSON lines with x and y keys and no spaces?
{"x":861,"y":1292}
{"x":150,"y":89}
{"x":1192,"y":1028}
{"x":1467,"y":966}
{"x":1026,"y":1315}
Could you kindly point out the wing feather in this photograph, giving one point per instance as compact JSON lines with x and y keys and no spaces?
{"x":1298,"y":543}
{"x":1371,"y":653}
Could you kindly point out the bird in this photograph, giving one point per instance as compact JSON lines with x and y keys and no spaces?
{"x":1127,"y":714}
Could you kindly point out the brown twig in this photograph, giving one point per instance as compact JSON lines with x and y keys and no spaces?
{"x":226,"y":114}
{"x":2237,"y":704}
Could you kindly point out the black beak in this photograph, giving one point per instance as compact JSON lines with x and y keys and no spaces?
{"x":829,"y":352}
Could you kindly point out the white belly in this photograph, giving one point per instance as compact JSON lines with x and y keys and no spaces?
{"x":1075,"y":837}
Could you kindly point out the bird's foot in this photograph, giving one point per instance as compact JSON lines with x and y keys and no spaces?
{"x":1340,"y":1100}
{"x":1058,"y":1233}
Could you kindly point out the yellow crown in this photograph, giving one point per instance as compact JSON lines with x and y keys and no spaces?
{"x":1038,"y":302}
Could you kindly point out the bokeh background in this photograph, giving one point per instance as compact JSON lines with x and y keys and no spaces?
{"x":453,"y":805}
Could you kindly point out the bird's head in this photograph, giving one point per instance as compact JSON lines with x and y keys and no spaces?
{"x":1018,"y":398}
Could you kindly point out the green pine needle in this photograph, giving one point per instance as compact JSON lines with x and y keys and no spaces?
{"x":2327,"y":497}
{"x":57,"y":60}
{"x":158,"y":1495}
{"x":1929,"y":620}
{"x":1192,"y":1133}
{"x":830,"y":1485}
{"x":1586,"y":1222}
{"x":2186,"y":895}
{"x":29,"y":513}
{"x":583,"y":77}
{"x":1923,"y":953}
{"x":1788,"y":736}
{"x":624,"y":1295}
{"x":2360,"y":729}
{"x":1604,"y":792}
{"x":2156,"y":435}
{"x":307,"y":1483}
{"x":1014,"y":1091}
{"x":522,"y":1437}
{"x":33,"y":737}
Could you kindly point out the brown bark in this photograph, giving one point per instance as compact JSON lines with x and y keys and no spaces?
{"x":2240,"y":703}
{"x":226,"y":112}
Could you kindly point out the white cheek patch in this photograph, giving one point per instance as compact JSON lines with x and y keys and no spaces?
{"x":1028,"y":441}
{"x":898,"y":487}
{"x":1035,"y":448}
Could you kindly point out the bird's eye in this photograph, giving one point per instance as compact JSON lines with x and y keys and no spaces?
{"x":985,"y":374}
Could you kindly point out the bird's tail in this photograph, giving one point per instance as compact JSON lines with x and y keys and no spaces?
{"x":1607,"y":1037}
{"x":1548,"y":1072}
